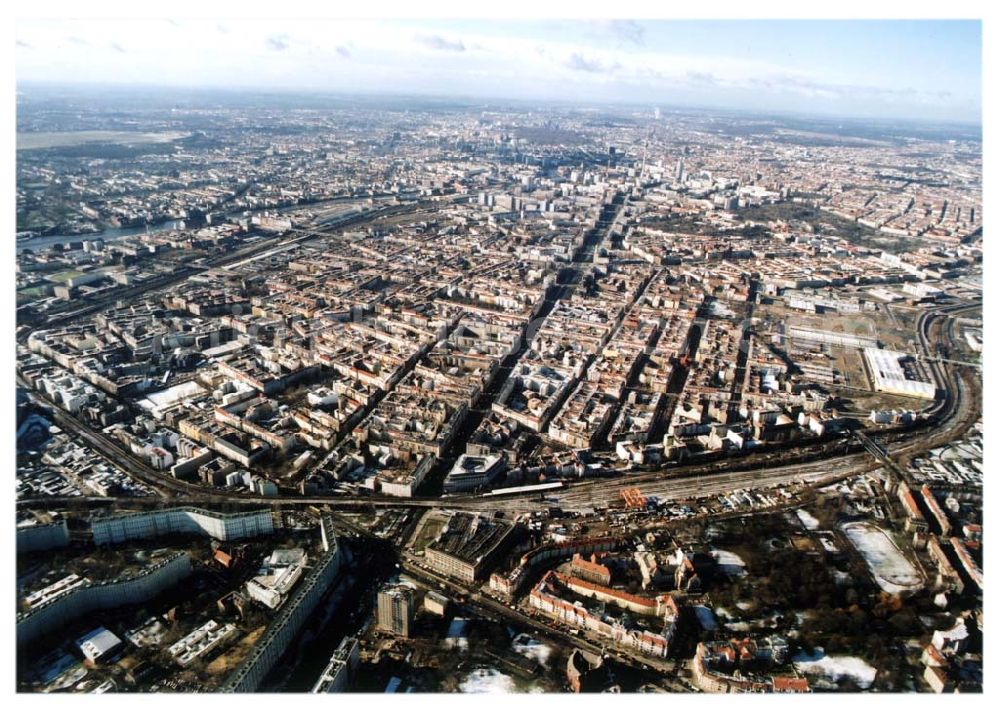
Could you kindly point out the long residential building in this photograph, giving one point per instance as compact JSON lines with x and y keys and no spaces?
{"x":510,"y":583}
{"x":39,"y":537}
{"x":285,"y":626}
{"x":342,"y":666}
{"x":939,"y":515}
{"x":969,"y":565}
{"x":67,"y":607}
{"x":181,"y":520}
{"x":545,"y":596}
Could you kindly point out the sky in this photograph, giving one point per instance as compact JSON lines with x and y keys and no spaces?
{"x":911,"y":69}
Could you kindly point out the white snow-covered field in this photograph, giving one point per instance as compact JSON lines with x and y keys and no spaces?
{"x":808,"y":521}
{"x":730,"y":564}
{"x":892,"y":571}
{"x":833,"y":667}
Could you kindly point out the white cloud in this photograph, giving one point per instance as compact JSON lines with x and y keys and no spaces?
{"x":439,"y":43}
{"x":612,"y":56}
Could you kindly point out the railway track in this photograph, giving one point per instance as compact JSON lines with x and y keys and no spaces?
{"x":954,"y":413}
{"x":222,"y":261}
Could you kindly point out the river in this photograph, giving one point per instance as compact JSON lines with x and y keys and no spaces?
{"x":42,"y":242}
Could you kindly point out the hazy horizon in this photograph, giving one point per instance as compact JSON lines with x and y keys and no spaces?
{"x":319,"y":99}
{"x":927,"y":71}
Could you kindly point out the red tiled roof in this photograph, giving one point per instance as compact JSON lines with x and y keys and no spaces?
{"x":790,"y":684}
{"x":583,"y":583}
{"x":590,"y":566}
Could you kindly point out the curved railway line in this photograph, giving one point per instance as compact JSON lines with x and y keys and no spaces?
{"x":811,"y":464}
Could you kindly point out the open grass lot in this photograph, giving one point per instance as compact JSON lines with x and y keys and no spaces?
{"x":430,"y":527}
{"x":33,"y":293}
{"x":895,"y":330}
{"x":829,"y":223}
{"x":228,"y":661}
{"x":860,"y":324}
{"x":64,"y":276}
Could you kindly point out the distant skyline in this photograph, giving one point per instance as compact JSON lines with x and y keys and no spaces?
{"x":913,"y":69}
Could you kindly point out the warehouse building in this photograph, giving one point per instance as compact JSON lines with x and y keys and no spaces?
{"x":887,"y":375}
{"x":468,"y":545}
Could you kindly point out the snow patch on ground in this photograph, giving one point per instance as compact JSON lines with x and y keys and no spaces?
{"x":70,"y":678}
{"x":834,"y":667}
{"x":729,"y":563}
{"x":841,"y":578}
{"x":488,"y":681}
{"x":526,"y":645}
{"x":808,"y":521}
{"x":892,"y":571}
